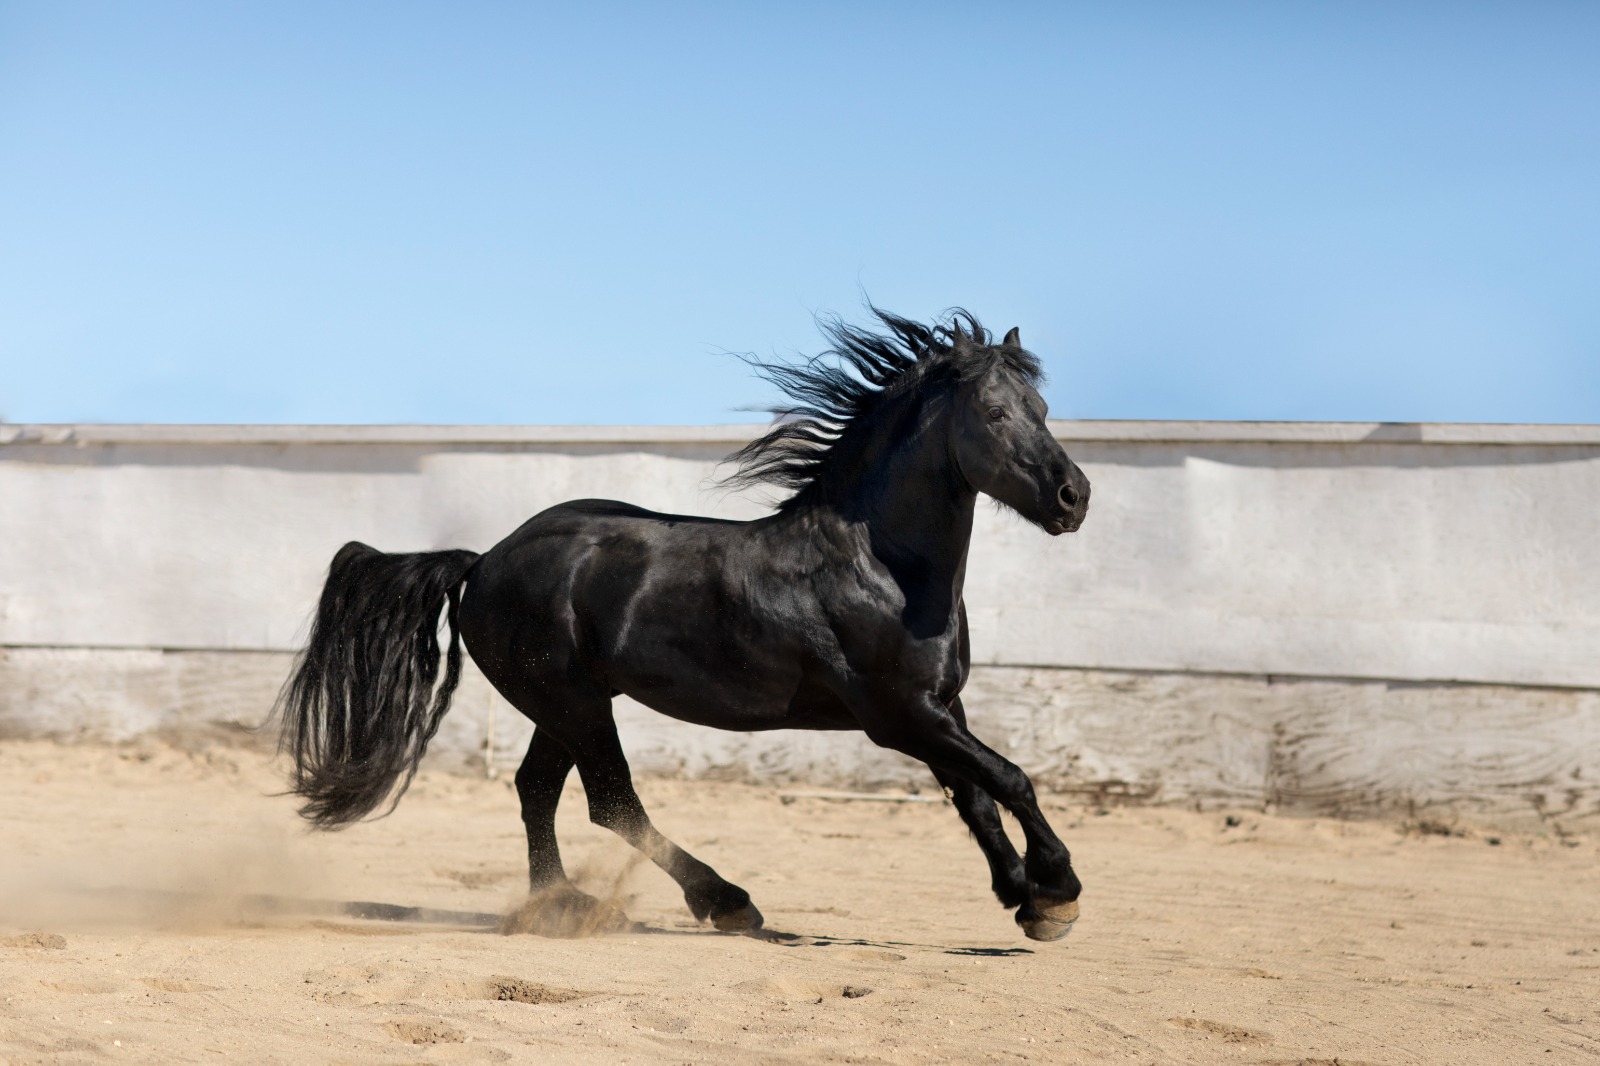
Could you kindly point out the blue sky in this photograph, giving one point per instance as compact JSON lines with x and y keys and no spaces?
{"x":508,"y":213}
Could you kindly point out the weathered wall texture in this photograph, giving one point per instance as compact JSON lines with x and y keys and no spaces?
{"x":1321,"y":616}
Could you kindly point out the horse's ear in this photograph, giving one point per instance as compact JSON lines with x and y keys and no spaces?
{"x":1013,"y":338}
{"x":958,"y":337}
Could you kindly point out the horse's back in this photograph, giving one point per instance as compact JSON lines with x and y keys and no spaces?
{"x":640,"y":601}
{"x":549,"y":555}
{"x":618,"y":509}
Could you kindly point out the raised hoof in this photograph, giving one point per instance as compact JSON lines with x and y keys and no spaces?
{"x":744,"y":920}
{"x":1048,"y":920}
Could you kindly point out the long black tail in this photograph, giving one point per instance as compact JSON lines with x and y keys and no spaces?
{"x":365,"y":698}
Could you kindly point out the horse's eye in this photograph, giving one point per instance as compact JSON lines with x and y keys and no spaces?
{"x":996,"y":413}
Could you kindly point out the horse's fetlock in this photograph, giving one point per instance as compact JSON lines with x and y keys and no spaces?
{"x":1064,"y":887}
{"x":724,"y":904}
{"x":1010,"y":895}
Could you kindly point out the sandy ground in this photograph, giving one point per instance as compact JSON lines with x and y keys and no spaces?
{"x":1273,"y":940}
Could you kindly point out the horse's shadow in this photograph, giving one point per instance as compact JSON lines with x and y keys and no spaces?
{"x":805,"y":940}
{"x":264,"y":905}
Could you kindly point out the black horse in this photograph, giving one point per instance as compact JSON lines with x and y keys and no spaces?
{"x":841,"y":610}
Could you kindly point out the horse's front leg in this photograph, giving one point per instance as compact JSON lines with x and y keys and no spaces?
{"x":1007,"y":876}
{"x":937,"y":735}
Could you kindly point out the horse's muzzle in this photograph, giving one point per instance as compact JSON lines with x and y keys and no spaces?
{"x":1072,"y":502}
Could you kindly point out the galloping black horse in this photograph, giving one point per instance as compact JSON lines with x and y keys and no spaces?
{"x":841,"y":610}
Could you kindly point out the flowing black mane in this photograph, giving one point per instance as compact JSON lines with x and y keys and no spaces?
{"x":838,"y":394}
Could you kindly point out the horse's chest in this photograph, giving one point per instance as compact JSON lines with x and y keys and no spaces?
{"x":892,"y":657}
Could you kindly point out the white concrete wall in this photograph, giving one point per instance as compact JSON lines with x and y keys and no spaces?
{"x":1357,"y":554}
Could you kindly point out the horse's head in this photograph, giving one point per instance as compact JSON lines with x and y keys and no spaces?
{"x":1002,"y":445}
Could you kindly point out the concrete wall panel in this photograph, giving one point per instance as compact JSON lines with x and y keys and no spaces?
{"x":1337,"y":616}
{"x":1432,"y":559}
{"x":1492,"y":754}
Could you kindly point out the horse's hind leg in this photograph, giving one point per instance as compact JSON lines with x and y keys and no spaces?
{"x":539,"y":780}
{"x":613,"y":803}
{"x":555,"y":907}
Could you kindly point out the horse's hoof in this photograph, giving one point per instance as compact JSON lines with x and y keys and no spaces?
{"x":744,"y":920}
{"x":1049,"y":920}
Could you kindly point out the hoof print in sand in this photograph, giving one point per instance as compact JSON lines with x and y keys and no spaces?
{"x":516,"y":990}
{"x":367,"y":985}
{"x":815,"y":991}
{"x":477,"y":878}
{"x":46,"y":941}
{"x":89,"y":987}
{"x":420,"y":1031}
{"x":1229,"y":1034}
{"x":167,"y":984}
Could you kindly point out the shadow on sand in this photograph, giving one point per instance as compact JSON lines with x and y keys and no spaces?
{"x":567,"y":914}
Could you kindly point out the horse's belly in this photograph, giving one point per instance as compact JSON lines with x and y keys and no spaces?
{"x":729,"y":698}
{"x":713,"y":706}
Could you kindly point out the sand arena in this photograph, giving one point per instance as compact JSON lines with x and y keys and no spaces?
{"x":1217,"y":936}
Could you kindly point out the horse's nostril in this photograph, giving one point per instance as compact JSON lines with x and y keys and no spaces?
{"x":1069,"y":496}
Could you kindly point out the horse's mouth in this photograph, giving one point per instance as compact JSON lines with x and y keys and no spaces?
{"x":1057,"y":526}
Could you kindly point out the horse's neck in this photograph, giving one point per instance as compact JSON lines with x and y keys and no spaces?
{"x":917,"y":508}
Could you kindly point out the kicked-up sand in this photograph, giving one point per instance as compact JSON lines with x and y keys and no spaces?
{"x":157,"y":906}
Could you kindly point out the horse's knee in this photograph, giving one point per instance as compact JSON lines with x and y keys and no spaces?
{"x":1014,"y":789}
